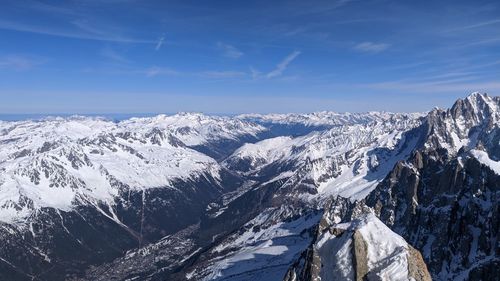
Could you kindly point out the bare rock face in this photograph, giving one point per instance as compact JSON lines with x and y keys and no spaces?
{"x":456,"y":218}
{"x":444,"y":199}
{"x":417,"y":269}
{"x":360,"y":254}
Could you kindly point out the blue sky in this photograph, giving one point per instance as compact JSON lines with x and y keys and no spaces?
{"x":126,"y":56}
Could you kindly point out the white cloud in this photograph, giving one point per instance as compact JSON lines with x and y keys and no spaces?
{"x":111,"y":54}
{"x":19,"y":63}
{"x":282,"y":66}
{"x":480,"y":24}
{"x":215,"y":74}
{"x":155,"y":71}
{"x":255,"y":73}
{"x":70,"y":32}
{"x":160,"y":43}
{"x":222,"y":74}
{"x":434,"y":87}
{"x":371,"y":47}
{"x":229,"y":50}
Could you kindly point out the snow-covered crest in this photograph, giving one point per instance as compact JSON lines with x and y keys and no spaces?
{"x":348,"y":160}
{"x":461,"y":125}
{"x":56,"y":162}
{"x":196,"y":128}
{"x":325,"y":118}
{"x":366,"y":247}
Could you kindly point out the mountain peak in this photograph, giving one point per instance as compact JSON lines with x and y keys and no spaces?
{"x":451,"y":128}
{"x":476,"y":95}
{"x":476,"y":105}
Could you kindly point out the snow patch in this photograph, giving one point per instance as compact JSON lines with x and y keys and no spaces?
{"x":485,"y":159}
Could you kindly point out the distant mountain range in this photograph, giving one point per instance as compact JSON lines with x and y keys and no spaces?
{"x":320,"y":196}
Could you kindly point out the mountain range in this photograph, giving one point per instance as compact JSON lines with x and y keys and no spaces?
{"x":320,"y":196}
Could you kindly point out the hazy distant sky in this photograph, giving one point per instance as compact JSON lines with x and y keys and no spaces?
{"x":120,"y":56}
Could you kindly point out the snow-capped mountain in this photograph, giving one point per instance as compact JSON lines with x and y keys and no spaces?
{"x":323,"y":196}
{"x":195,"y":129}
{"x":57,"y":162}
{"x":324,"y":118}
{"x":445,"y":196}
{"x":295,"y":124}
{"x":465,"y":125}
{"x":73,"y":178}
{"x":348,"y":159}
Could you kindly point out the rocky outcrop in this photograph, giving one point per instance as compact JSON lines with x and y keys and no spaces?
{"x":417,"y":269}
{"x":443,"y":200}
{"x":360,"y":256}
{"x":452,"y":206}
{"x":361,"y":249}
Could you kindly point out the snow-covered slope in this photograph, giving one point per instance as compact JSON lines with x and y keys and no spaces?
{"x":485,"y":159}
{"x":324,"y":118}
{"x":195,"y":129}
{"x":348,"y":160}
{"x":57,"y":162}
{"x":263,"y":249}
{"x":471,"y":125}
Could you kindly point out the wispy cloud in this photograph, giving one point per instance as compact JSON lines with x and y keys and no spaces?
{"x":77,"y":33}
{"x":229,"y":50}
{"x":293,"y":31}
{"x":255,"y":73}
{"x":441,"y":86}
{"x":19,"y":62}
{"x":308,"y":8}
{"x":211,"y":74}
{"x":411,"y":65}
{"x":364,"y":20}
{"x":223,"y":74}
{"x":371,"y":47}
{"x":491,"y":40}
{"x":282,"y":66}
{"x":160,"y":42}
{"x":68,"y":19}
{"x":155,"y":71}
{"x":111,"y":54}
{"x":480,"y":24}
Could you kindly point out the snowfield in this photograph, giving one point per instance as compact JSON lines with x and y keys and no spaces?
{"x":347,"y":160}
{"x":57,"y":162}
